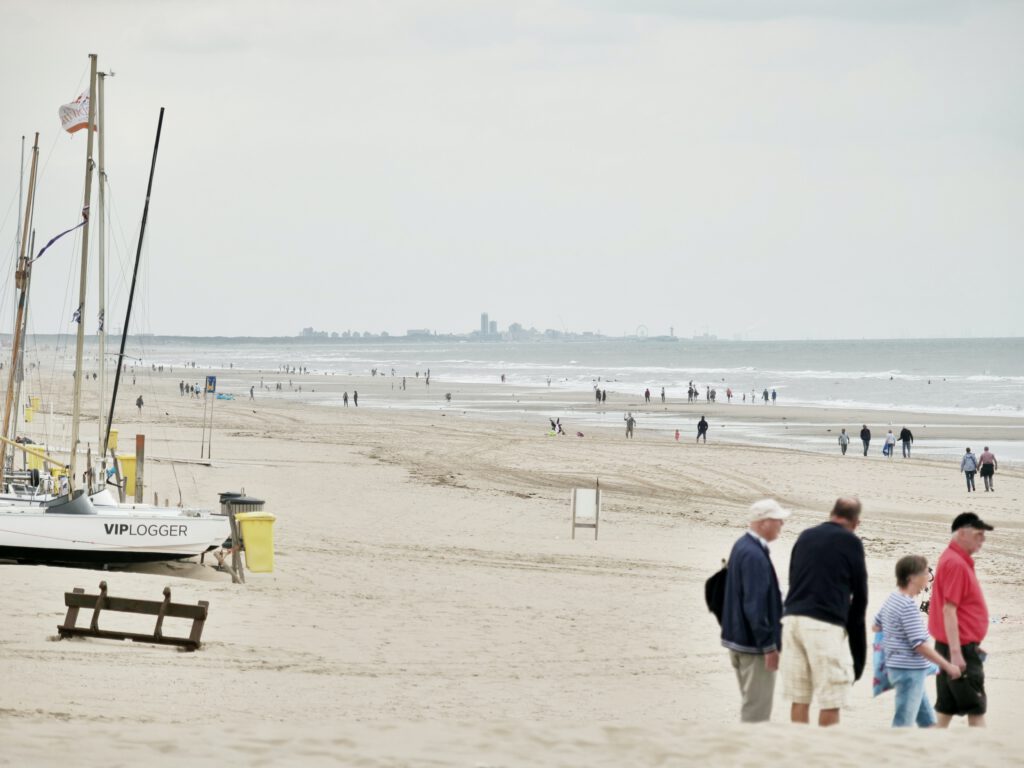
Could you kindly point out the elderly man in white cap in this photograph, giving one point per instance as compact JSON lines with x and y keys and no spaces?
{"x":752,"y":612}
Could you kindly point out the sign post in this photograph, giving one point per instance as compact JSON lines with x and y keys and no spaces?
{"x":211,"y":390}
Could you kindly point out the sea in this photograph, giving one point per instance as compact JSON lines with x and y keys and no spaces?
{"x":971,"y":377}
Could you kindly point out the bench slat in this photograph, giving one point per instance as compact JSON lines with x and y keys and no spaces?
{"x":131,"y":605}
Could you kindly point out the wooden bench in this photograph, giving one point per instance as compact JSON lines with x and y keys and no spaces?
{"x":161,"y":609}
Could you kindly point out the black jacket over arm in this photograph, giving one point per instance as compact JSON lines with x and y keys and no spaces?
{"x":828,"y":581}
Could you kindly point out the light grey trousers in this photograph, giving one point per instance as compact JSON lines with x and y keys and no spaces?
{"x":757,"y":686}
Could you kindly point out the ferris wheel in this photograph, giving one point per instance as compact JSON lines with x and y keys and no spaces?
{"x":641,"y":331}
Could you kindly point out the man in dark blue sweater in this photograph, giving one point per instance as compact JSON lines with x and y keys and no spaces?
{"x":823,"y":619}
{"x":752,"y":611}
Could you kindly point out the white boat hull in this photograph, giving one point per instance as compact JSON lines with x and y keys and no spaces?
{"x":108,"y":534}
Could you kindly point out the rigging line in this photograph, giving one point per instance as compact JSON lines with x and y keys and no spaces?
{"x":7,"y":215}
{"x":115,"y":211}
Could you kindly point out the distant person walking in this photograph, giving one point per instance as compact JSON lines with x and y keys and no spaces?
{"x":906,"y":439}
{"x":823,"y":617}
{"x":958,"y":620}
{"x":702,"y":430}
{"x":355,"y":398}
{"x":908,"y":654}
{"x":889,"y":449}
{"x":663,"y":395}
{"x":987,"y":468}
{"x":728,"y":395}
{"x":969,"y":465}
{"x":252,"y":390}
{"x":774,"y":395}
{"x":139,"y":403}
{"x":844,"y":441}
{"x":344,"y":399}
{"x":630,"y":423}
{"x":647,"y":395}
{"x":865,"y":437}
{"x":765,"y":396}
{"x":752,"y":611}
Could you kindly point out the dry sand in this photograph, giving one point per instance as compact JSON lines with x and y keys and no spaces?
{"x":429,"y":608}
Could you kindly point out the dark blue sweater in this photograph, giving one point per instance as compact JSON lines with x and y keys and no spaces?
{"x":828,"y":581}
{"x":751,"y":617}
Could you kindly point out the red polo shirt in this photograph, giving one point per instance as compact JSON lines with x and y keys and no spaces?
{"x":955,"y":582}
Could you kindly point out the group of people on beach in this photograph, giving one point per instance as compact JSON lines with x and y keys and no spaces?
{"x":906,"y":439}
{"x":971,"y":464}
{"x":817,"y":640}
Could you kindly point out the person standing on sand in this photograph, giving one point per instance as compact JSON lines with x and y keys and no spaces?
{"x":889,"y":449}
{"x":774,"y":395}
{"x":252,"y":391}
{"x":139,"y":404}
{"x":752,"y":611}
{"x":865,"y":437}
{"x":344,"y":399}
{"x":355,"y":398}
{"x":908,"y":655}
{"x":662,"y":395}
{"x":958,"y":620}
{"x":630,"y":423}
{"x":844,"y":441}
{"x":823,"y":616}
{"x":728,"y":395}
{"x":988,"y":467}
{"x":907,"y":439}
{"x":969,"y":465}
{"x":647,"y":395}
{"x":765,"y":396}
{"x":702,"y":430}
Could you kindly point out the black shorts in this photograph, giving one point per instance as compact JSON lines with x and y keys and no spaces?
{"x":966,"y":695}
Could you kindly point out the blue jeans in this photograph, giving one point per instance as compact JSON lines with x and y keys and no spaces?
{"x":912,"y":703}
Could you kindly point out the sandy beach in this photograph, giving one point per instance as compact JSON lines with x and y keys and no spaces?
{"x":428,"y":606}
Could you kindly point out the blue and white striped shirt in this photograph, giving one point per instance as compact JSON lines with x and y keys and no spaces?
{"x":904,"y":629}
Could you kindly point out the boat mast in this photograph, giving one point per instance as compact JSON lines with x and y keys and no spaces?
{"x":76,"y":414}
{"x":102,"y":260}
{"x":19,"y":372}
{"x":20,"y":276}
{"x":135,"y":275}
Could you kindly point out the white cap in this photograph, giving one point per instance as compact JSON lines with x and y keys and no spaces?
{"x":767,"y":509}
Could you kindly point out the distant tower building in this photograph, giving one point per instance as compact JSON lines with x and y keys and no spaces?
{"x":493,"y":328}
{"x":483,"y":324}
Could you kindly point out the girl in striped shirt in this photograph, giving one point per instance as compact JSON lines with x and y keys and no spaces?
{"x":906,"y":646}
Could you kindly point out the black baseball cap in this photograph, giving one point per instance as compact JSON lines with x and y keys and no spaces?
{"x":970,"y":520}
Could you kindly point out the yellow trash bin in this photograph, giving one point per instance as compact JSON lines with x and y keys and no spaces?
{"x":258,"y":536}
{"x":36,"y":402}
{"x":127,"y":462}
{"x":112,"y":442}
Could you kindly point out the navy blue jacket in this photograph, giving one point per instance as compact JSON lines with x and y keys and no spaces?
{"x":752,"y":616}
{"x":828,"y":581}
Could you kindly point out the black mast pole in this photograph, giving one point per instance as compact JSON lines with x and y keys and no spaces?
{"x":131,"y":293}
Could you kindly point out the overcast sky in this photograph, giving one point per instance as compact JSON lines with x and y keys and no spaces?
{"x":777,"y":170}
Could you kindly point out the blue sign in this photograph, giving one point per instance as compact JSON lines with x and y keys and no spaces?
{"x":211,"y":383}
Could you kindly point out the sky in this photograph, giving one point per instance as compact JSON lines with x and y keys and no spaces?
{"x":755,"y":169}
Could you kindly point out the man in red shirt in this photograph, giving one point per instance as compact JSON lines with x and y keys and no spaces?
{"x":958,"y":620}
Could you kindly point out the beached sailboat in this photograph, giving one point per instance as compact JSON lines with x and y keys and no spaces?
{"x":90,"y":525}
